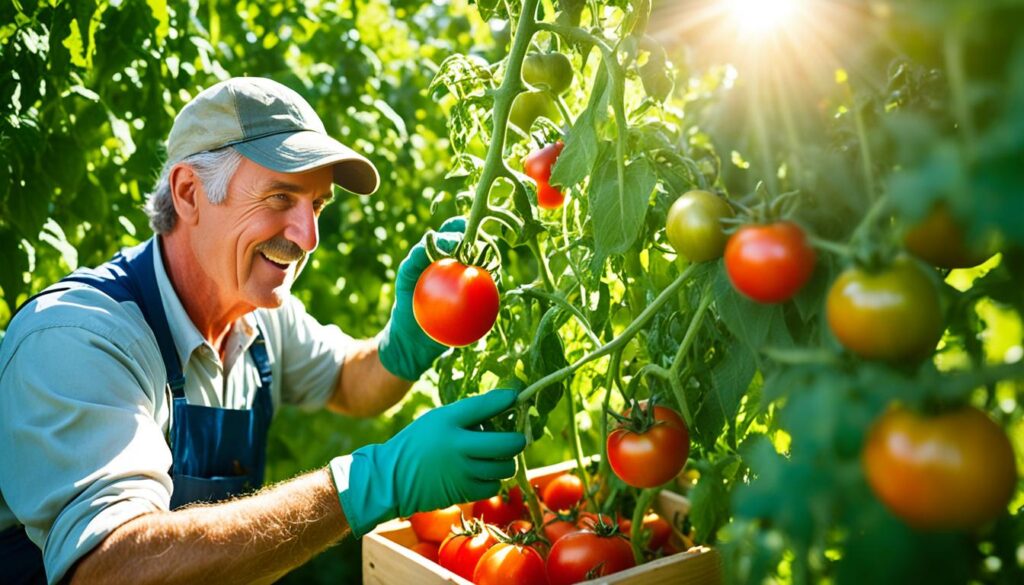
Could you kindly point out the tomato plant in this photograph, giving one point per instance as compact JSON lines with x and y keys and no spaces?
{"x":462,"y":549}
{"x":955,"y":470}
{"x":892,"y":313}
{"x":455,"y":304}
{"x":501,"y":509}
{"x":584,"y":555}
{"x":510,"y":564}
{"x":538,"y":167}
{"x":769,"y":263}
{"x":649,"y":449}
{"x":563,"y":493}
{"x":694,"y":225}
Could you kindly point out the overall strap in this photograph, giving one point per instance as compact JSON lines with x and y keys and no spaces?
{"x":129,"y":276}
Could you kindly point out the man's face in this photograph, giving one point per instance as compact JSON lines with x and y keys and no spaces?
{"x":253,"y":244}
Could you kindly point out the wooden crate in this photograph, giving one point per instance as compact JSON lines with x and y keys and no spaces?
{"x":387,"y":559}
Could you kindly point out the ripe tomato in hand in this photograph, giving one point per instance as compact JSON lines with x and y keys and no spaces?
{"x":939,"y":240}
{"x":460,"y":552}
{"x":694,"y":227}
{"x":427,"y":550}
{"x":585,"y":555}
{"x":890,"y":314}
{"x":769,"y":263}
{"x":537,"y":166}
{"x":655,"y":525}
{"x":952,"y":471}
{"x":510,"y":564}
{"x":435,"y":526}
{"x":563,"y":492}
{"x":455,"y":304}
{"x":652,"y":456}
{"x":501,"y":509}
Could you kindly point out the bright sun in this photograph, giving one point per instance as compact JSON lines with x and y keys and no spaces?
{"x":762,"y":16}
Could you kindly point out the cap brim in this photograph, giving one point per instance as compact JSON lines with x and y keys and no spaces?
{"x":296,"y":152}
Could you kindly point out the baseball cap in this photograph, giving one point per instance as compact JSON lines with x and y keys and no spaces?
{"x":271,"y":125}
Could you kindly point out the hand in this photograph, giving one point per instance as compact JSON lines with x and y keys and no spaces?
{"x":404,"y":349}
{"x":433,"y":463}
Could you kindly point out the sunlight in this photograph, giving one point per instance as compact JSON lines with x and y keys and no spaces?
{"x":762,"y":16}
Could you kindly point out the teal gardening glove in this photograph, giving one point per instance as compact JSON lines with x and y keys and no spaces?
{"x":433,"y":463}
{"x":404,"y":349}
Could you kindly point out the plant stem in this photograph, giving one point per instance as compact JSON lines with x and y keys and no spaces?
{"x":511,"y":86}
{"x":529,"y":495}
{"x":561,"y":302}
{"x":836,"y":248}
{"x":612,"y":345}
{"x":545,"y":272}
{"x":684,"y":348}
{"x":577,"y":447}
{"x":643,"y":502}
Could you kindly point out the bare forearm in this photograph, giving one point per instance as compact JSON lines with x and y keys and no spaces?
{"x":365,"y":387}
{"x":247,"y":540}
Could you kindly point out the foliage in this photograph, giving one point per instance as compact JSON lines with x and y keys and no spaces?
{"x":909,"y":104}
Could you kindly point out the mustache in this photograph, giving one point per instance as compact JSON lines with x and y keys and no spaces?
{"x":282,"y":248}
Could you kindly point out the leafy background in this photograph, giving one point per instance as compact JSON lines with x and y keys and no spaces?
{"x":88,"y":91}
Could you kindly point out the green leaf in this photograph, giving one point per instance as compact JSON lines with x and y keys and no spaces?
{"x":709,"y":500}
{"x":752,"y":323}
{"x":15,"y":262}
{"x":582,"y":144}
{"x":619,"y":214}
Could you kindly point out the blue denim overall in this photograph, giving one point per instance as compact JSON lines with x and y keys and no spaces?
{"x":217,"y":453}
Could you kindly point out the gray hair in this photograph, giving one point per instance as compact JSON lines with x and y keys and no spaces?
{"x":214,"y":169}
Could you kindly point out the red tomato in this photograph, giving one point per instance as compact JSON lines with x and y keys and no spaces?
{"x":520,"y":526}
{"x":538,"y":167}
{"x":769,"y":263}
{"x":584,"y":555}
{"x":555,"y":527}
{"x":952,"y":471}
{"x":501,"y":509}
{"x":563,"y":492}
{"x":427,"y":550}
{"x":460,"y":553}
{"x":653,"y":524}
{"x":653,"y":457}
{"x":510,"y":564}
{"x":435,"y":526}
{"x":455,"y":304}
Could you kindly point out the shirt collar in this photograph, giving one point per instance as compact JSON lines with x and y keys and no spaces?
{"x":186,"y":336}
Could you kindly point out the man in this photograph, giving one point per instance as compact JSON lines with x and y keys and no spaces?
{"x":130,"y":391}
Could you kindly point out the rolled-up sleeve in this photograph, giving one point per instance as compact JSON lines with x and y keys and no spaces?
{"x":82,"y":449}
{"x":312,"y":355}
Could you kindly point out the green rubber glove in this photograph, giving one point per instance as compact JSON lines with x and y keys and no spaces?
{"x":404,"y":349}
{"x":433,"y":463}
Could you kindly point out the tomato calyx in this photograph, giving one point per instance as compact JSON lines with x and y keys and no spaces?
{"x":638,"y":417}
{"x":516,"y":537}
{"x":472,"y":527}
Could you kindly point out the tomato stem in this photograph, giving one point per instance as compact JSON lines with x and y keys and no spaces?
{"x":684,"y":348}
{"x":511,"y":86}
{"x":841,"y":250}
{"x":545,"y":271}
{"x":643,"y":502}
{"x":621,"y":340}
{"x":577,"y":447}
{"x":532,"y":502}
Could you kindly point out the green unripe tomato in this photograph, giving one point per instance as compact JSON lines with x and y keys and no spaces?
{"x":694,"y":225}
{"x":530,"y":105}
{"x":552,"y":71}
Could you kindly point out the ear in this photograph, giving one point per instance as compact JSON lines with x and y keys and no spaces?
{"x":186,"y":188}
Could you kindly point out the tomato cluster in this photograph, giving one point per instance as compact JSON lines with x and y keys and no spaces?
{"x":498,"y":544}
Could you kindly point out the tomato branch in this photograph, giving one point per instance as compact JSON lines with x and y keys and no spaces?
{"x":511,"y":86}
{"x":577,"y":447}
{"x":684,"y":348}
{"x":611,"y":346}
{"x":561,"y":302}
{"x":521,"y":480}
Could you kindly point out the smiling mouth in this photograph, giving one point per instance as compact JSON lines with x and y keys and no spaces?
{"x":276,"y":262}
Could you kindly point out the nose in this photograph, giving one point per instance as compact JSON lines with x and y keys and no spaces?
{"x":302,"y":226}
